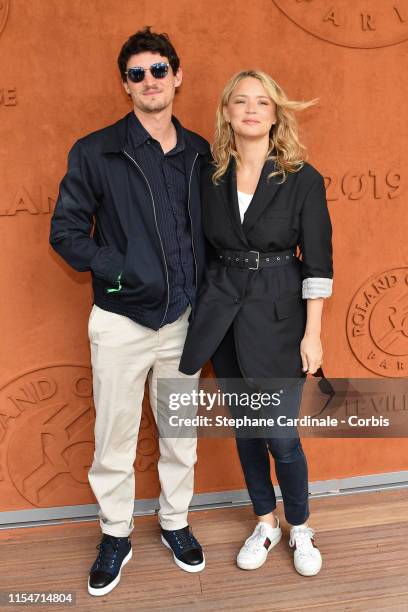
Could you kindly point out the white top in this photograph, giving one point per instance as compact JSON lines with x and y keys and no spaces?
{"x":244,"y":200}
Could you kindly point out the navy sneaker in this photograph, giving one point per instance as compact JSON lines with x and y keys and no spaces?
{"x":187,"y":552}
{"x":114,"y":553}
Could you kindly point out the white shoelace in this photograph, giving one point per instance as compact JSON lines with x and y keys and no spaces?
{"x":302,"y":538}
{"x":256,"y":541}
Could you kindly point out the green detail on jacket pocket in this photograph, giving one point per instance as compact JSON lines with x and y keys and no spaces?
{"x":116,"y":289}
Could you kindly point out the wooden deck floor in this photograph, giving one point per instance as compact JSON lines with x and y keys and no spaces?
{"x":363,"y":539}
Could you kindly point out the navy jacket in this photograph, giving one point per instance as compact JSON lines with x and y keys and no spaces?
{"x":125,"y":251}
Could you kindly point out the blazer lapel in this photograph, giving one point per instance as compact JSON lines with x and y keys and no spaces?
{"x":264,"y":193}
{"x":230,"y":197}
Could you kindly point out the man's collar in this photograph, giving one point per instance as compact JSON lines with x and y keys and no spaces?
{"x":140,"y":135}
{"x":115,"y":136}
{"x":181,"y":141}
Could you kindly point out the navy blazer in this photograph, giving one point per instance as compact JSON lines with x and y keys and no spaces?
{"x":266,"y":305}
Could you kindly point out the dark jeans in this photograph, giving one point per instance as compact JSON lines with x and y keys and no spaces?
{"x":290,"y":460}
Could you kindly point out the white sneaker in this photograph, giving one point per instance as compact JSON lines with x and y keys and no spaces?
{"x":307,"y":557}
{"x":255,"y":550}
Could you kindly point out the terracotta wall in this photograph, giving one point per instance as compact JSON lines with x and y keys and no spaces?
{"x":59,"y":81}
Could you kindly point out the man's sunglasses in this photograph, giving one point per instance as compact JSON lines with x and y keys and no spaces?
{"x":158,"y":71}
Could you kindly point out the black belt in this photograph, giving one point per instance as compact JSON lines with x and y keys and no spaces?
{"x":253,"y":260}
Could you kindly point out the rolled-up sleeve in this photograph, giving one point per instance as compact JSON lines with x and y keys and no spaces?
{"x":316,"y":243}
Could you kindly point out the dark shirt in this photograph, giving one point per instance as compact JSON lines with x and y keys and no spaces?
{"x":167,"y":177}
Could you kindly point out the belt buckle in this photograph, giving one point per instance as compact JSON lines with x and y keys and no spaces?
{"x":257,"y":261}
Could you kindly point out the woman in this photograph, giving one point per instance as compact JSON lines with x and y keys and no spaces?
{"x":258,"y":312}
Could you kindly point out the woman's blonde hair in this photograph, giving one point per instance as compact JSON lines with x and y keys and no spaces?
{"x":284,"y":146}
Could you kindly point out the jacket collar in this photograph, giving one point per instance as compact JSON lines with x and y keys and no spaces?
{"x":264,"y":193}
{"x":231,"y":199}
{"x":115,"y":136}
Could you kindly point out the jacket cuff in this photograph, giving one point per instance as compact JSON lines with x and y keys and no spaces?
{"x":313,"y":288}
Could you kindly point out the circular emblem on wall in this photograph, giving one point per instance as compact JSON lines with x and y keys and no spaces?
{"x":47,"y":446}
{"x":377,"y":323}
{"x":4,"y":5}
{"x":47,"y":420}
{"x":362,"y":24}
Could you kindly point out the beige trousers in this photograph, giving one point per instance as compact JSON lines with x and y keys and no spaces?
{"x":123,"y":355}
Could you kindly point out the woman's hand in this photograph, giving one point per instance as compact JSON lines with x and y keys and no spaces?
{"x":311,"y":352}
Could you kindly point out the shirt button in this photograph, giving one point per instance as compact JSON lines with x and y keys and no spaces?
{"x":236,"y":300}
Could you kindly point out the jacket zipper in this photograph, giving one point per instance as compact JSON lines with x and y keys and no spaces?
{"x":191,"y":222}
{"x":157,"y":229}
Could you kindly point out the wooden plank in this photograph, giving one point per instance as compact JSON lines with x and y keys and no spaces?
{"x":362,"y":538}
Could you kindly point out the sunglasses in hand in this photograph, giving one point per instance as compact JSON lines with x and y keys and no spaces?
{"x":336,"y":394}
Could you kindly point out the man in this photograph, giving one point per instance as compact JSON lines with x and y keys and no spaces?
{"x":139,"y":180}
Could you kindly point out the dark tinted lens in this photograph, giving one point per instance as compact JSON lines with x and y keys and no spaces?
{"x":136,"y":74}
{"x":159,"y":70}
